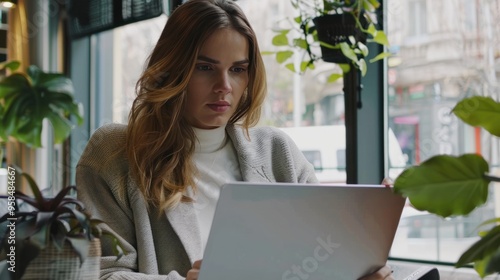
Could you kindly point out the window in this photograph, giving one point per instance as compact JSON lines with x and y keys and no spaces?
{"x":417,"y":20}
{"x":425,"y":80}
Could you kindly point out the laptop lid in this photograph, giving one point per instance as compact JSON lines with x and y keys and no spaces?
{"x":300,"y":231}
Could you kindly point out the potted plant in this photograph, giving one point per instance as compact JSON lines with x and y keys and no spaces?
{"x":55,"y":239}
{"x":455,"y":185}
{"x":26,"y":99}
{"x":332,"y":30}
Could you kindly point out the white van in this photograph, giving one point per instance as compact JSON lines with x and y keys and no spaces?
{"x":325,"y":148}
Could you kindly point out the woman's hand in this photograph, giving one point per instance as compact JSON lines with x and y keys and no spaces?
{"x":193,"y":272}
{"x":385,"y":273}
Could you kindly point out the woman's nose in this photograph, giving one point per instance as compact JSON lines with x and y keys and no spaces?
{"x":223,"y":84}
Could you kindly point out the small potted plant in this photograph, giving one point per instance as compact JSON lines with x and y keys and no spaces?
{"x":55,"y":238}
{"x":332,"y":30}
{"x":455,"y":185}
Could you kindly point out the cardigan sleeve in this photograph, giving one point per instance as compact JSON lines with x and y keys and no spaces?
{"x":99,"y":180}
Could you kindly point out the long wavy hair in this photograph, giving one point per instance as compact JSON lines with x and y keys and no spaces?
{"x":160,"y":142}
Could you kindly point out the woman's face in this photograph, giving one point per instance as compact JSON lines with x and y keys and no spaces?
{"x":219,"y":79}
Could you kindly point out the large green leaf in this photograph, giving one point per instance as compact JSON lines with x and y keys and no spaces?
{"x":488,"y":265}
{"x":28,"y":99}
{"x":446,"y":185}
{"x":484,"y":251}
{"x":480,"y":111}
{"x":15,"y":83}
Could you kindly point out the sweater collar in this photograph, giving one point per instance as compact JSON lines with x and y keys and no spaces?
{"x":209,"y":140}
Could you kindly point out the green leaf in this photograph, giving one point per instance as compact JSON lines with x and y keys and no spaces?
{"x":381,"y":38}
{"x":15,"y":83}
{"x":345,"y":67}
{"x":34,"y":73}
{"x":490,"y":221}
{"x":493,"y":265}
{"x":304,"y":65}
{"x":290,"y":66}
{"x":348,"y":52}
{"x":61,"y":125}
{"x":280,"y":40}
{"x":334,"y":77}
{"x":380,"y":56}
{"x":298,"y":19}
{"x":11,"y":65}
{"x":283,"y":56}
{"x":362,"y":67}
{"x":483,"y":249}
{"x":371,"y":29}
{"x":301,"y":43}
{"x":374,"y":3}
{"x":363,"y":48}
{"x":446,"y":185}
{"x":480,"y":111}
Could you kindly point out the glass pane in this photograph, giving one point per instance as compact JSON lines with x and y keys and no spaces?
{"x":305,"y":106}
{"x":293,"y":100}
{"x":132,"y":44}
{"x":440,"y":57}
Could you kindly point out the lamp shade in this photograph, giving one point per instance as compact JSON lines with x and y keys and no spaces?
{"x":8,"y":3}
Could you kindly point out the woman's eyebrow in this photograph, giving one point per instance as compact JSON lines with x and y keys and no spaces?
{"x":211,"y":60}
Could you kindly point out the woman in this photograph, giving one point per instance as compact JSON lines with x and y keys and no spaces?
{"x":155,"y":182}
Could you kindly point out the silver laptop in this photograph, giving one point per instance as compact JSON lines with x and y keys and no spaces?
{"x":300,"y":231}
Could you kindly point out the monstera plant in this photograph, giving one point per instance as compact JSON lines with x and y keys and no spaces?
{"x":26,"y":99}
{"x":455,"y":185}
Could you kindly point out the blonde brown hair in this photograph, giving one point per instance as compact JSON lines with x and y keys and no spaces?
{"x":160,"y":142}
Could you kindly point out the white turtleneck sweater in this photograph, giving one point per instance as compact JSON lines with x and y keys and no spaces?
{"x":217,"y":163}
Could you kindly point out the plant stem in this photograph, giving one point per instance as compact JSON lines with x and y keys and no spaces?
{"x":491,"y":178}
{"x":303,"y":26}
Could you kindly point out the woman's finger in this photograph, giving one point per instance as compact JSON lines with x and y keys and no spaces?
{"x":197,"y":264}
{"x":385,"y":273}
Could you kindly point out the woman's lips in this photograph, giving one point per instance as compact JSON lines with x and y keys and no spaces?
{"x":219,"y":107}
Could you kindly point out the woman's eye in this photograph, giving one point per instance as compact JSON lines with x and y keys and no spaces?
{"x":203,"y":67}
{"x":239,"y":69}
